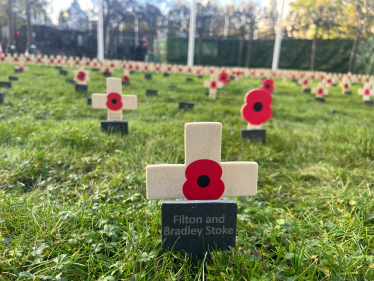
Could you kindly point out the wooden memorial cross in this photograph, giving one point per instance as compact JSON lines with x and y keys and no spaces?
{"x":81,"y":76}
{"x":305,"y":82}
{"x":213,"y":85}
{"x":126,"y":77}
{"x":366,"y":92}
{"x":345,"y":86}
{"x":59,"y":61}
{"x":205,"y":221}
{"x":114,"y":101}
{"x":320,"y":91}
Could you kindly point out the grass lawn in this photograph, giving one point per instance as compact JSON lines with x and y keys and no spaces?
{"x":73,"y":204}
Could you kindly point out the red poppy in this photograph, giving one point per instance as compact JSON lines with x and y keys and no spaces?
{"x":189,"y":70}
{"x":256,"y":109}
{"x":213,"y":85}
{"x":126,"y":78}
{"x":21,"y":68}
{"x":198,"y":72}
{"x":312,"y":76}
{"x":169,"y":68}
{"x":305,"y":82}
{"x":51,"y":60}
{"x":88,"y":63}
{"x":329,"y":81}
{"x":15,"y":59}
{"x":223,"y":77}
{"x":320,"y":92}
{"x":2,"y":59}
{"x":367,"y":92}
{"x":81,"y":76}
{"x":114,"y":102}
{"x":146,"y":67}
{"x":211,"y":72}
{"x":180,"y":70}
{"x":157,"y":69}
{"x":77,"y":62}
{"x":137,"y":67}
{"x":345,"y":86}
{"x":28,"y":59}
{"x":268,"y":86}
{"x":59,"y":61}
{"x":107,"y":70}
{"x":203,"y":180}
{"x":39,"y":60}
{"x":359,"y":79}
{"x":130,"y":66}
{"x":95,"y":64}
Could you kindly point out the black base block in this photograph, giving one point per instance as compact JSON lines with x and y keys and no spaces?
{"x":111,"y":127}
{"x":172,"y":86}
{"x":254,"y":135}
{"x":262,"y":79}
{"x":13,"y":78}
{"x":95,"y":69}
{"x":354,"y":83}
{"x":81,"y":88}
{"x":132,"y":71}
{"x":71,"y":81}
{"x":6,"y":85}
{"x":348,"y":93}
{"x":186,"y":105}
{"x":152,"y":93}
{"x":18,"y":70}
{"x":148,"y":76}
{"x":334,"y":84}
{"x":232,"y":78}
{"x":307,"y":90}
{"x":198,"y":226}
{"x":319,"y":99}
{"x":189,"y":79}
{"x":207,"y":93}
{"x":125,"y":83}
{"x":107,"y":74}
{"x":369,"y":102}
{"x":89,"y":101}
{"x":200,"y":76}
{"x":1,"y":97}
{"x":294,"y":80}
{"x":63,"y":72}
{"x":166,"y":74}
{"x":58,"y":67}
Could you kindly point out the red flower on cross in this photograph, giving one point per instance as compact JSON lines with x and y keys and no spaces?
{"x":114,"y":102}
{"x":81,"y":76}
{"x":126,"y":78}
{"x":15,"y":59}
{"x":203,"y":180}
{"x":256,"y":109}
{"x":367,"y":92}
{"x":223,"y":77}
{"x":345,"y":86}
{"x":268,"y":86}
{"x":213,"y":85}
{"x":320,"y":92}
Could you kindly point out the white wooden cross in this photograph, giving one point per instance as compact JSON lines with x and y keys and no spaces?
{"x":366,"y":92}
{"x":213,"y":85}
{"x":95,"y":64}
{"x":320,"y":91}
{"x":113,"y":99}
{"x":22,"y":67}
{"x":52,"y":59}
{"x":126,"y":75}
{"x":81,"y":76}
{"x":345,"y":85}
{"x":59,"y":60}
{"x":305,"y":82}
{"x":202,"y":141}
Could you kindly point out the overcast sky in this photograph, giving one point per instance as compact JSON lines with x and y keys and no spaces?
{"x":60,"y":5}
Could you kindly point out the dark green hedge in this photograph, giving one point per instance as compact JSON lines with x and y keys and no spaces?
{"x":332,"y":55}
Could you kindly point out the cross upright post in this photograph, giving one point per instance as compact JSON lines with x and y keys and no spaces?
{"x":213,"y":85}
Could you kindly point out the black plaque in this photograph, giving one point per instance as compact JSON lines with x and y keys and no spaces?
{"x":319,"y":99}
{"x":13,"y":78}
{"x":18,"y":70}
{"x":107,"y":74}
{"x":111,"y":127}
{"x":95,"y":69}
{"x":198,"y":226}
{"x":81,"y":88}
{"x":132,"y":71}
{"x":186,"y":105}
{"x":166,"y":74}
{"x":207,"y":93}
{"x":254,"y":135}
{"x":89,"y":101}
{"x":200,"y":76}
{"x":58,"y":67}
{"x":294,"y":80}
{"x":172,"y":86}
{"x":152,"y":93}
{"x":63,"y":72}
{"x":71,"y":81}
{"x":348,"y":93}
{"x":6,"y":85}
{"x":307,"y":90}
{"x":148,"y":76}
{"x":334,"y":84}
{"x":189,"y":80}
{"x":1,"y":97}
{"x":369,"y":102}
{"x":232,"y":78}
{"x":127,"y":83}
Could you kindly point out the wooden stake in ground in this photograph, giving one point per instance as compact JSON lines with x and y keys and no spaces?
{"x":203,"y":176}
{"x":114,"y":101}
{"x":213,"y":85}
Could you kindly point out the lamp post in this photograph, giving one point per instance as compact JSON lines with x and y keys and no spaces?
{"x":13,"y":10}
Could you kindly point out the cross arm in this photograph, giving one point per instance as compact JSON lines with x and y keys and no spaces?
{"x":130,"y":102}
{"x":207,"y":84}
{"x":99,"y":101}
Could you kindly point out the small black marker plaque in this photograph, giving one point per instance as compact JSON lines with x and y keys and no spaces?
{"x":307,"y":90}
{"x":369,"y":102}
{"x":148,"y":76}
{"x":197,"y":226}
{"x":13,"y":78}
{"x":111,"y":127}
{"x":18,"y":70}
{"x":186,"y":105}
{"x":81,"y":88}
{"x":348,"y":93}
{"x":1,"y":97}
{"x":6,"y":85}
{"x":63,"y":72}
{"x":189,"y":79}
{"x":254,"y":135}
{"x":152,"y":93}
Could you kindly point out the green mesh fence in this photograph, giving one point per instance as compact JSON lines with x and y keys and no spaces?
{"x":331,"y":55}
